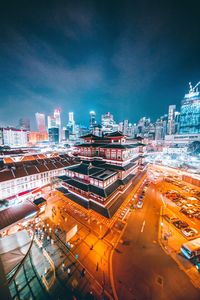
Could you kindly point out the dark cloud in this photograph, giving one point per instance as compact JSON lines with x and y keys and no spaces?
{"x":133,"y":58}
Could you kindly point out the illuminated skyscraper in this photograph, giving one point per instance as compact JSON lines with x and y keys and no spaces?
{"x":92,"y":119}
{"x":161,"y":127}
{"x":171,"y":119}
{"x":71,"y":123}
{"x":51,"y":120}
{"x":190,"y":112}
{"x":54,"y":135}
{"x":108,"y":123}
{"x":40,"y":122}
{"x":125,"y":127}
{"x":57,"y":117}
{"x":71,"y":117}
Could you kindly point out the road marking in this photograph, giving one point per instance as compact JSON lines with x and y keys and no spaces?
{"x":143,"y":224}
{"x":125,"y":214}
{"x":192,"y":222}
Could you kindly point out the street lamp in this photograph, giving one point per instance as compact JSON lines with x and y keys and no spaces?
{"x":161,"y":225}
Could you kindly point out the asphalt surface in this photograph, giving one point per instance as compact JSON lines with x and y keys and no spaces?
{"x":142,"y":270}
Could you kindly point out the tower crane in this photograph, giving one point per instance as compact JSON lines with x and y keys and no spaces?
{"x":195,"y":88}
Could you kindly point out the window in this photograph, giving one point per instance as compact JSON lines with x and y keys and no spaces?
{"x":101,"y":184}
{"x":113,"y":155}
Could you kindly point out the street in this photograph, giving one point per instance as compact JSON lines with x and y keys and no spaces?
{"x":142,"y":270}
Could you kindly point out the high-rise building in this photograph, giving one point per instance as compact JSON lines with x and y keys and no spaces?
{"x":108,"y":124}
{"x":161,"y":128}
{"x":24,"y":124}
{"x":40,"y":122}
{"x":177,"y":121}
{"x":57,"y":117}
{"x":143,"y":126}
{"x":71,"y":124}
{"x":58,"y":121}
{"x":171,"y":119}
{"x":71,"y":117}
{"x":92,"y":119}
{"x":51,"y":121}
{"x":190,"y":112}
{"x":125,"y":127}
{"x":158,"y":130}
{"x":53,"y":135}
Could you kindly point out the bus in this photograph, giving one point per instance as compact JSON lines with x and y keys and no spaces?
{"x":191,"y":249}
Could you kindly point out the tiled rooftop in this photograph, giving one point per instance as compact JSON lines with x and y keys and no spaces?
{"x":30,"y":167}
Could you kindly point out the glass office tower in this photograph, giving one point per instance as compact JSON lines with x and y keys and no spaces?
{"x":190,"y":112}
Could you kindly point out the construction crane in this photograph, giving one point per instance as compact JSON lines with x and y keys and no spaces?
{"x":195,"y":88}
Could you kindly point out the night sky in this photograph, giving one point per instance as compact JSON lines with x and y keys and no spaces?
{"x":133,"y":58}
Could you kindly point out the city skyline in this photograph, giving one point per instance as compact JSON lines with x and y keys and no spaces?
{"x":94,"y":56}
{"x":65,"y":116}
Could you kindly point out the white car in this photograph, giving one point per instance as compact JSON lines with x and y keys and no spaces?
{"x":189,"y":231}
{"x":139,"y":204}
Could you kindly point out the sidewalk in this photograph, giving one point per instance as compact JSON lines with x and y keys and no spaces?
{"x":69,"y":272}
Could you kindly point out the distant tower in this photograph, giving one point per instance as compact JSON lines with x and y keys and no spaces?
{"x":40,"y":122}
{"x":71,"y":123}
{"x":57,"y":117}
{"x":71,"y":117}
{"x":108,"y":124}
{"x":125,"y":127}
{"x":171,"y":119}
{"x":92,"y":119}
{"x":51,"y":121}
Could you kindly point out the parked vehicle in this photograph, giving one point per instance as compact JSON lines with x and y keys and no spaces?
{"x":188,"y":212}
{"x":189,"y":232}
{"x":180,"y":224}
{"x":191,"y":249}
{"x":169,"y":218}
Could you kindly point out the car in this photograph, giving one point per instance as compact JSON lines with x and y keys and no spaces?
{"x":197,"y":216}
{"x":189,"y":232}
{"x":169,"y":218}
{"x":189,"y":205}
{"x":179,"y":203}
{"x":140,"y":204}
{"x":188,"y":212}
{"x":180,"y":224}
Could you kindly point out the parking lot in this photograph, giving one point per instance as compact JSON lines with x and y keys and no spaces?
{"x":183,"y":203}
